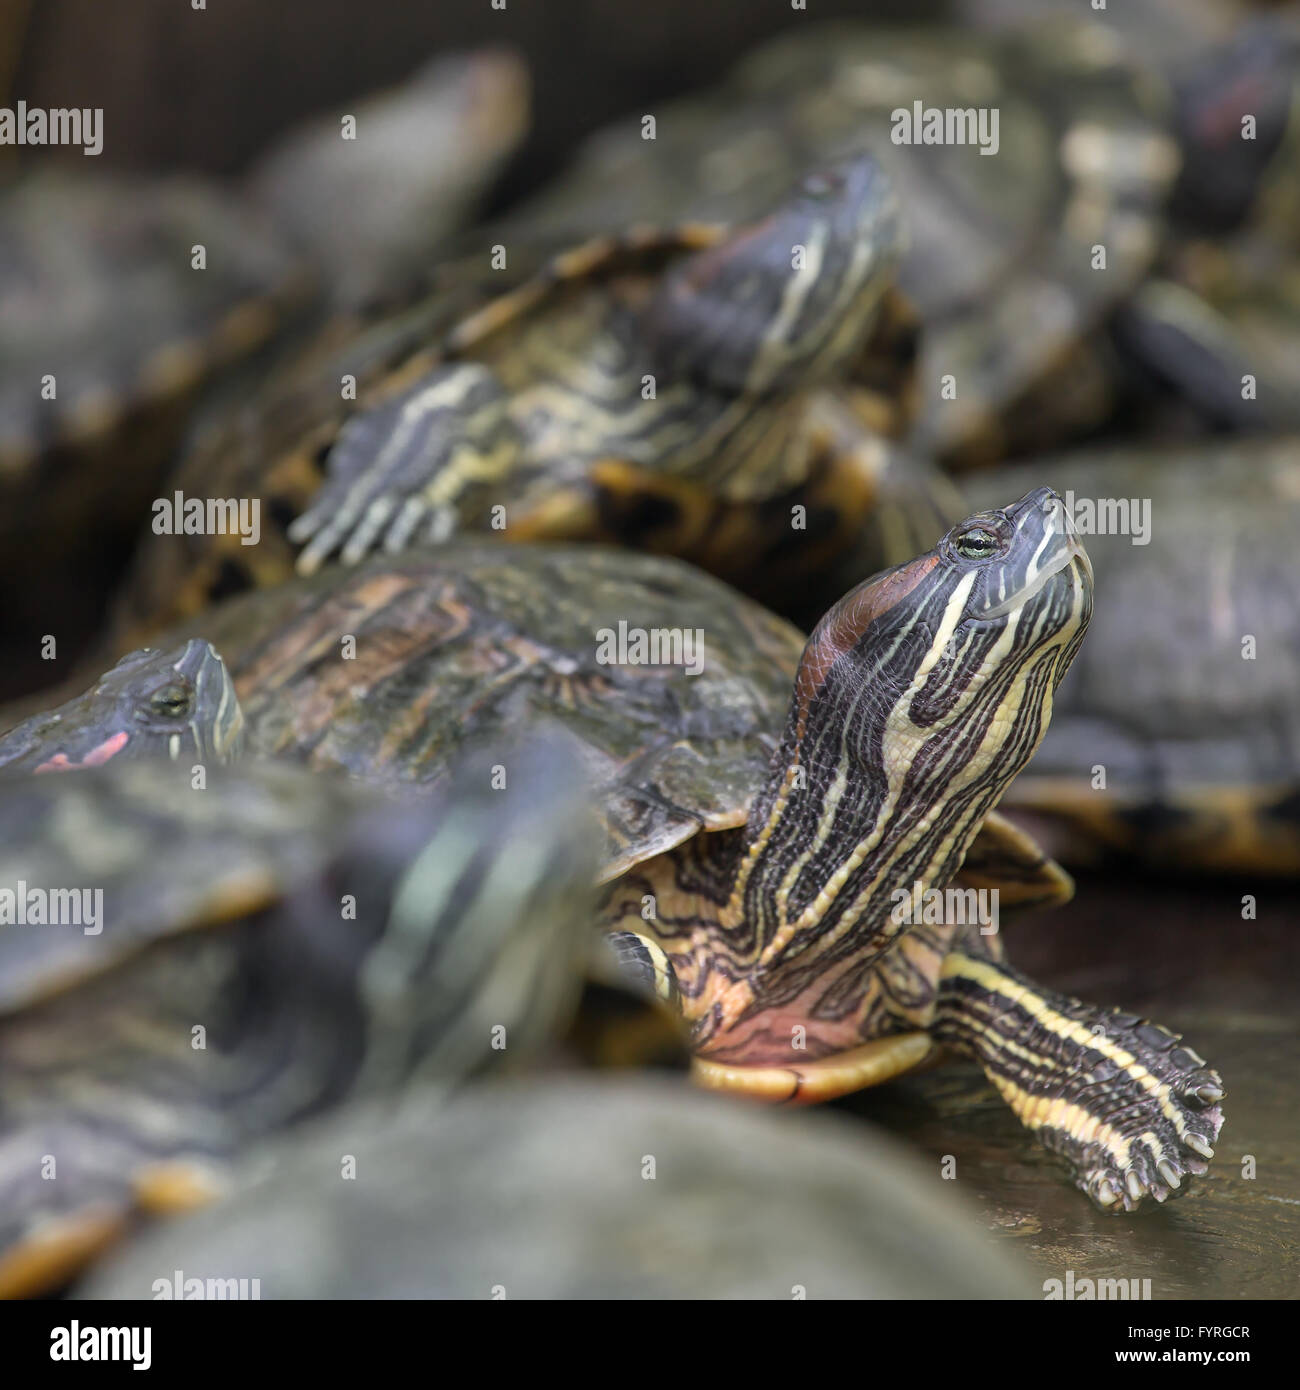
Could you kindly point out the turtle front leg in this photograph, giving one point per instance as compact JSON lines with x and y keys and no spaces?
{"x":1129,"y":1108}
{"x":400,"y":470}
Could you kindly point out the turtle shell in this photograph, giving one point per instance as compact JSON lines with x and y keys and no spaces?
{"x":168,"y":858}
{"x":671,"y":687}
{"x":98,"y":290}
{"x":107,"y":335}
{"x":390,"y":669}
{"x":104,"y":310}
{"x":1197,"y":602}
{"x":1001,"y":259}
{"x":564,"y":1210}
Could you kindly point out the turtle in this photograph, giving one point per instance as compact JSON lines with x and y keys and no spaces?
{"x":152,"y":703}
{"x":752,"y":875}
{"x":719,"y":392}
{"x":125,"y":300}
{"x":1191,"y":762}
{"x":240,"y":956}
{"x":1002,"y":265}
{"x":597,"y":1188}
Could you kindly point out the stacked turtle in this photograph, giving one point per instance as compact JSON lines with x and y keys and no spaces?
{"x":1202,"y":762}
{"x":687,"y":391}
{"x":1047,"y":274}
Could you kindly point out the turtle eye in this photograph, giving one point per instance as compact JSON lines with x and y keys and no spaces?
{"x":977,"y":544}
{"x":171,"y":702}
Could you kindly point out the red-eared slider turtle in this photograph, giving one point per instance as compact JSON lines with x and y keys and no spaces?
{"x":1191,"y":760}
{"x":699,"y":391}
{"x":595,"y":1189}
{"x":1020,"y":160}
{"x":759,"y":879}
{"x":183,"y":971}
{"x":177,"y":704}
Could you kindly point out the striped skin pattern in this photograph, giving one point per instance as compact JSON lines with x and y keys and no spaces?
{"x":178,"y":704}
{"x":1130,"y":1108}
{"x":223,"y":912}
{"x":533,"y":403}
{"x":919,"y":697}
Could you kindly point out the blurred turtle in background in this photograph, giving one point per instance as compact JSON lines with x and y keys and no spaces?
{"x":122,"y":297}
{"x":1217,"y":328}
{"x":1001,"y":262}
{"x":265,"y":947}
{"x":1115,"y":129}
{"x":577,"y":1188}
{"x":373,"y":210}
{"x":1176,"y":740}
{"x":152,"y":703}
{"x":708,"y":391}
{"x":753,"y":874}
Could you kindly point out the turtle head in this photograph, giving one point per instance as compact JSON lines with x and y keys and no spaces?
{"x":787,"y":301}
{"x":919,"y":696}
{"x":179,"y":703}
{"x":940,"y":673}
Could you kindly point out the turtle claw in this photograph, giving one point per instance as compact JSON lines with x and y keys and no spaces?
{"x":1155,"y":1160}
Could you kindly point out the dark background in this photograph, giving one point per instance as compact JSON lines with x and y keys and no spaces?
{"x":206,"y":90}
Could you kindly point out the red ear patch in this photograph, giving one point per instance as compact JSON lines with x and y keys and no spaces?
{"x":842,"y":627}
{"x":98,"y":755}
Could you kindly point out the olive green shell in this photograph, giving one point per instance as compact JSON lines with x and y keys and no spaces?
{"x":1001,"y":257}
{"x":97,"y":281}
{"x":744,"y":1203}
{"x":388,"y":670}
